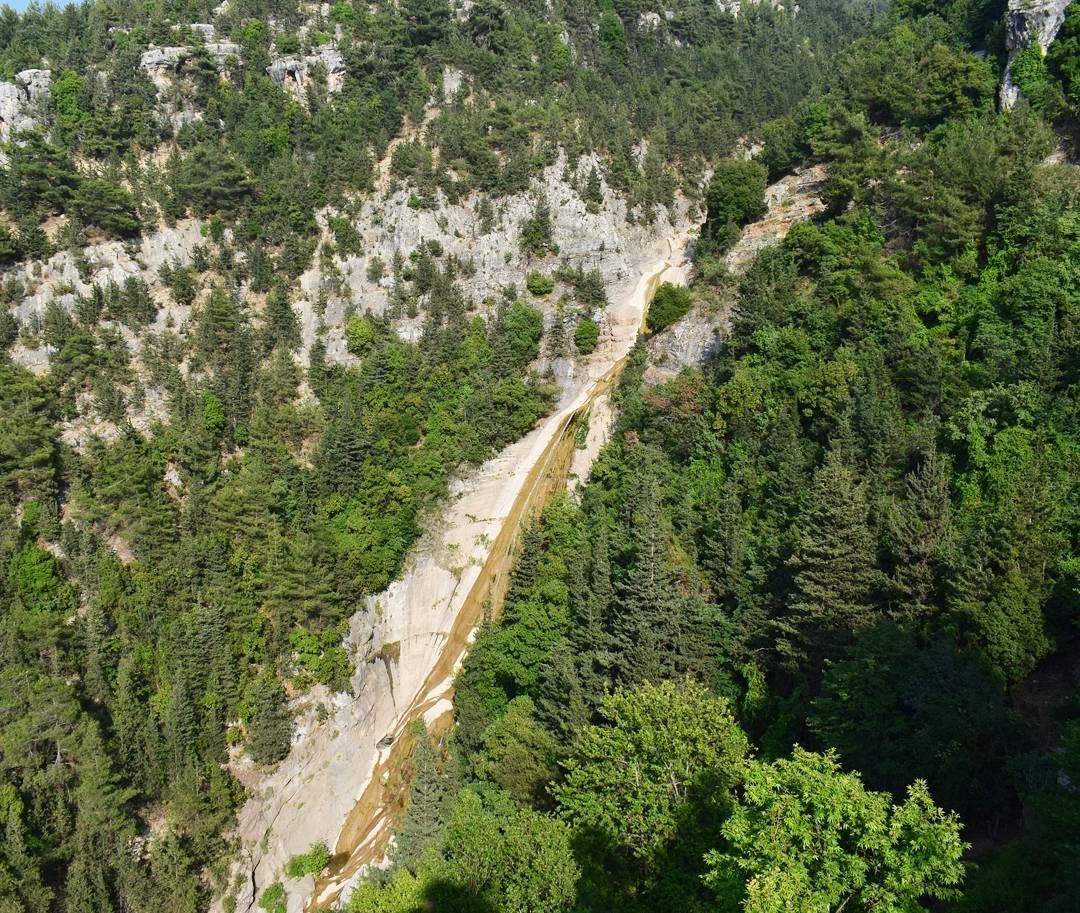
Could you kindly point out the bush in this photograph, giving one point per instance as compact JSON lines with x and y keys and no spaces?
{"x":346,"y":237}
{"x":274,"y":899}
{"x":539,"y":284}
{"x":586,"y":336}
{"x":310,"y":863}
{"x":359,"y":336}
{"x":670,"y":303}
{"x":524,"y":327}
{"x":736,"y":195}
{"x":537,"y":232}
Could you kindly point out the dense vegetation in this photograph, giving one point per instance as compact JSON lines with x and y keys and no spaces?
{"x":810,"y":590}
{"x":195,"y":507}
{"x":265,"y":160}
{"x":801,"y":582}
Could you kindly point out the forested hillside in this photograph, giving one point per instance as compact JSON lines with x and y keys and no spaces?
{"x":272,"y":275}
{"x":808,"y":642}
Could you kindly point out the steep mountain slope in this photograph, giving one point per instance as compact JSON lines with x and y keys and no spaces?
{"x":286,"y":289}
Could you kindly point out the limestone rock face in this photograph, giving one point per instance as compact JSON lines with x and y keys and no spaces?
{"x":1028,"y":22}
{"x":292,"y":73}
{"x":160,"y":63}
{"x":691,"y":341}
{"x":221,"y":51}
{"x":22,"y":102}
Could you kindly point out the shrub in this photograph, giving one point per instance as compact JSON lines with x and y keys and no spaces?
{"x":670,"y":303}
{"x":310,"y":863}
{"x":359,"y":336}
{"x":539,"y":284}
{"x":346,"y":236}
{"x":736,"y":195}
{"x":586,"y":335}
{"x":273,"y":899}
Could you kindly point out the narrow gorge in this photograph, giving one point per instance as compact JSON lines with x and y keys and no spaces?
{"x":410,"y":639}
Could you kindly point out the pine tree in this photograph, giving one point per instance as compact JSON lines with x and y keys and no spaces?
{"x":593,"y":192}
{"x":648,"y":630}
{"x":589,"y":634}
{"x":102,"y":828}
{"x":920,"y":531}
{"x":268,"y":722}
{"x":430,"y":800}
{"x":529,"y":553}
{"x":833,"y":561}
{"x":281,"y":326}
{"x":563,"y":705}
{"x":21,"y":885}
{"x":98,"y":644}
{"x":175,"y":885}
{"x":557,"y":337}
{"x":260,"y":269}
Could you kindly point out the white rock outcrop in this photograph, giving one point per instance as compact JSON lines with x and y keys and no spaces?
{"x":161,"y":63}
{"x":292,"y":73}
{"x":22,"y":102}
{"x":1028,"y":22}
{"x":692,"y":340}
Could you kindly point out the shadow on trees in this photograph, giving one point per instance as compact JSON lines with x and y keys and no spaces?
{"x":443,"y":896}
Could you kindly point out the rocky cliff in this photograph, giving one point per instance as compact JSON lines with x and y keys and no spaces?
{"x":1028,"y":22}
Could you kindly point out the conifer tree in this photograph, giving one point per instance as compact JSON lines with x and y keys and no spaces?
{"x":281,"y":326}
{"x":833,"y":562}
{"x":593,"y":192}
{"x":268,"y":723}
{"x":430,"y":800}
{"x":648,"y":629}
{"x":920,"y":533}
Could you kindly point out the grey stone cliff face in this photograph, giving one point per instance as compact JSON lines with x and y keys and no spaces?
{"x":21,"y":102}
{"x":292,"y":73}
{"x":1028,"y":22}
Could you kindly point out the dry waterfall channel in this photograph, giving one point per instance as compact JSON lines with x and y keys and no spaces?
{"x":338,"y":783}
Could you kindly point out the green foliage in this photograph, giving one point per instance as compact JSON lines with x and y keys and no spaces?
{"x":1063,"y":55}
{"x":274,"y":898}
{"x":735,"y":196}
{"x":523,"y":326}
{"x":536,"y":231}
{"x":496,"y":857}
{"x":268,"y":723}
{"x":659,"y":750}
{"x":360,"y":336}
{"x":805,"y":835}
{"x":105,"y":205}
{"x":539,"y":284}
{"x":517,"y":753}
{"x":1030,"y":73}
{"x":833,"y":561}
{"x":586,"y":336}
{"x":310,"y":863}
{"x":891,"y":711}
{"x":669,"y":304}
